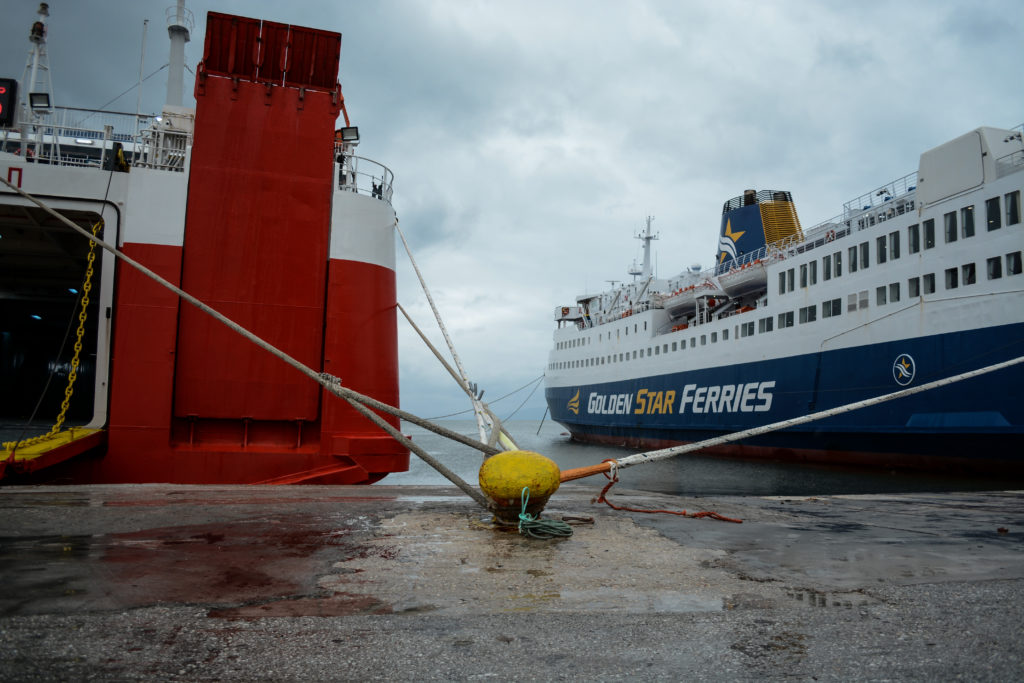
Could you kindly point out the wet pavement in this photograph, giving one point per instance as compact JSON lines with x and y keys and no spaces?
{"x":400,"y":583}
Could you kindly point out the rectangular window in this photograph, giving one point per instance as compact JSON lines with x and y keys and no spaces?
{"x":894,"y":292}
{"x":748,"y":329}
{"x":674,"y":346}
{"x":967,"y":274}
{"x":851,"y":303}
{"x":929,"y":234}
{"x":790,"y":279}
{"x":803,"y":275}
{"x":785,"y":320}
{"x":714,"y":337}
{"x":782,"y":282}
{"x":864,"y":255}
{"x":764,"y":325}
{"x":992,"y":213}
{"x":826,"y":268}
{"x":852,"y":253}
{"x":894,"y":245}
{"x":808,"y":314}
{"x":929,"y":283}
{"x":995,"y":268}
{"x":693,"y":342}
{"x":949,"y":223}
{"x":837,"y":259}
{"x":831,"y":308}
{"x":1013,"y":263}
{"x":862,"y":299}
{"x":952,"y":281}
{"x":814,"y":272}
{"x":881,"y":249}
{"x":913,"y":239}
{"x":914,"y":287}
{"x":703,"y":340}
{"x":725,"y":334}
{"x":1012,"y":202}
{"x":967,"y":221}
{"x":880,"y":296}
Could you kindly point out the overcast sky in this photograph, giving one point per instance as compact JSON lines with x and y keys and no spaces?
{"x":530,"y":139}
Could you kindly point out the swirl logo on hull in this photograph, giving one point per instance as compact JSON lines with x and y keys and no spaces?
{"x":903,"y":369}
{"x":574,"y":403}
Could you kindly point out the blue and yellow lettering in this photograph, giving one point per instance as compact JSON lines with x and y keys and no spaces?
{"x":641,"y":402}
{"x":670,"y":398}
{"x":655,"y":405}
{"x":592,"y":403}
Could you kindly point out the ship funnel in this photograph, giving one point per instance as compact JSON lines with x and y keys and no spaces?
{"x":753,"y":220}
{"x":179,"y":27}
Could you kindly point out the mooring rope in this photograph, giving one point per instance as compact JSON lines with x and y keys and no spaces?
{"x":461,"y":377}
{"x":329,"y":382}
{"x":652,"y":456}
{"x":535,"y":527}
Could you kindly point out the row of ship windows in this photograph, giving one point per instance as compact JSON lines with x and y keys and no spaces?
{"x":887,"y":247}
{"x":916,"y":286}
{"x":583,"y":341}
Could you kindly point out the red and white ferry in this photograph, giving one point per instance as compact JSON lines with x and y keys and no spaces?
{"x":256,"y":203}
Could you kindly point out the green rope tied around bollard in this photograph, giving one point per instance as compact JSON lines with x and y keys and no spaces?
{"x":535,"y":527}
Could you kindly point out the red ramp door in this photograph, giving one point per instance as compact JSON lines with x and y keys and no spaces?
{"x":258,"y":219}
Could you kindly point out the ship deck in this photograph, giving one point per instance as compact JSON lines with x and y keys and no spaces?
{"x":286,"y":583}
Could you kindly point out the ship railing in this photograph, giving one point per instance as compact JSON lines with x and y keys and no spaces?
{"x":164,"y":148}
{"x":1011,"y":163}
{"x":362,"y":176}
{"x":822,"y":234}
{"x":880,"y":196}
{"x":41,"y":135}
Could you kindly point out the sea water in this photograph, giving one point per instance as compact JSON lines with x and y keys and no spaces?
{"x":690,"y":475}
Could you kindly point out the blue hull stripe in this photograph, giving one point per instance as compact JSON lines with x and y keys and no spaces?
{"x":695,"y":404}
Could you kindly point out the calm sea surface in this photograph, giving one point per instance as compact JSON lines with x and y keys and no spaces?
{"x":687,"y":475}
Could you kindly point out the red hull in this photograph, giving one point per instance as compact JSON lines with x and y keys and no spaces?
{"x":192,"y":402}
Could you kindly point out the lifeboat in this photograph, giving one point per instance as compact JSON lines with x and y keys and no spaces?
{"x":744,"y":279}
{"x":684,"y":301}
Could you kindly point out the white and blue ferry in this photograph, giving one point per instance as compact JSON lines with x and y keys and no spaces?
{"x":919,"y":279}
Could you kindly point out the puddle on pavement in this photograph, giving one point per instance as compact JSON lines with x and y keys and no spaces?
{"x":811,"y":598}
{"x":237,"y":564}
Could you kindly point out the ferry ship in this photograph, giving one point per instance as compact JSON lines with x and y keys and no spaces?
{"x":255,"y":203}
{"x":916,"y":280}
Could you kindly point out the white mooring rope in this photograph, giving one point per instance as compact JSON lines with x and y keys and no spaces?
{"x":484,"y":417}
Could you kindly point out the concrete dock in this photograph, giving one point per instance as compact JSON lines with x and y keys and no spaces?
{"x":164,"y":582}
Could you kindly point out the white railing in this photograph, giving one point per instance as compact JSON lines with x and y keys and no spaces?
{"x":363,"y":176}
{"x":880,"y":196}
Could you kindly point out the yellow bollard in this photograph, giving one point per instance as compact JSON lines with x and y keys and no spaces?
{"x":503,"y":477}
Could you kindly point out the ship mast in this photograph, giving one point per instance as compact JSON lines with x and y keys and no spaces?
{"x":645,"y":273}
{"x":37,"y":88}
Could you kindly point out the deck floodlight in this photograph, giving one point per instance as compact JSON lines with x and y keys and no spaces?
{"x":350,"y":134}
{"x":39,"y":100}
